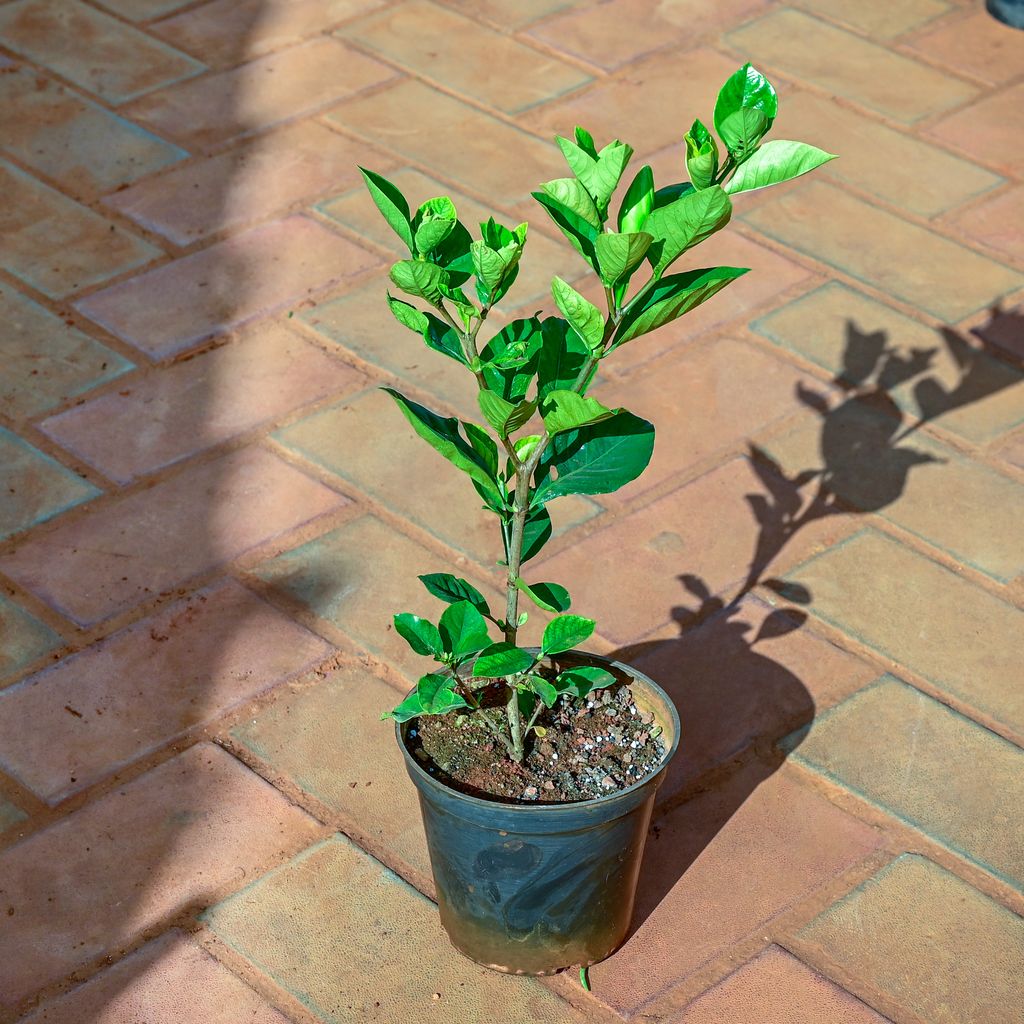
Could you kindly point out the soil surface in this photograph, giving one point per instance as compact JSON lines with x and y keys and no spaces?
{"x":588,"y":747}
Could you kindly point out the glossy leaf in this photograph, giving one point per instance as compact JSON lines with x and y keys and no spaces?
{"x":434,"y":222}
{"x":583,"y":680}
{"x":441,"y":337}
{"x":671,"y":298}
{"x":484,"y":445}
{"x":684,"y":223}
{"x":746,"y":108}
{"x":596,"y":459}
{"x":598,"y":173}
{"x":510,"y":359}
{"x":776,"y":162}
{"x":701,"y":156}
{"x":502,"y":659}
{"x":562,"y":357}
{"x":409,"y":708}
{"x":442,"y":434}
{"x":451,"y":588}
{"x":415,"y":277}
{"x":536,"y":533}
{"x":571,"y":195}
{"x":420,"y":634}
{"x":392,"y":204}
{"x":619,"y":255}
{"x":567,"y":410}
{"x":545,"y":690}
{"x":462,"y":629}
{"x":552,"y":597}
{"x":437,"y":696}
{"x":579,"y":233}
{"x":525,"y":446}
{"x":584,"y":317}
{"x":585,"y":141}
{"x":564,"y":633}
{"x":637,"y":202}
{"x":407,"y":315}
{"x":504,"y":416}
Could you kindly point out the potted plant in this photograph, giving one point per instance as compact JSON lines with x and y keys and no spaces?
{"x":537,"y":767}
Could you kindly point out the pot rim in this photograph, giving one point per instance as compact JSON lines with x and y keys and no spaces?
{"x":570,"y":806}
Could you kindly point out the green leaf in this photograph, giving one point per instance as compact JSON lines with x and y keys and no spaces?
{"x":463,"y":629}
{"x":408,"y":315}
{"x":562,"y":357}
{"x":451,"y":588}
{"x":489,"y":266}
{"x":585,"y":141}
{"x":670,"y":298}
{"x":510,"y":359}
{"x":580,"y":233}
{"x":567,"y":410}
{"x":392,"y":204}
{"x":409,"y":708}
{"x":581,"y":681}
{"x":434,"y":222}
{"x":746,"y":107}
{"x":596,"y":459}
{"x":572,"y":195}
{"x":565,"y":633}
{"x":484,"y":445}
{"x":582,"y":314}
{"x":775,"y":162}
{"x":424,"y":280}
{"x":442,"y":434}
{"x":543,"y":689}
{"x":552,"y":597}
{"x":504,"y":416}
{"x":502,"y":659}
{"x":420,"y":634}
{"x":638,"y":201}
{"x":536,"y":532}
{"x":684,"y":223}
{"x":598,"y":173}
{"x":701,"y":156}
{"x":441,"y":337}
{"x":437,"y":696}
{"x":619,"y":255}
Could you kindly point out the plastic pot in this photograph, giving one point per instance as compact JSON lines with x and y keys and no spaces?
{"x":532,"y":888}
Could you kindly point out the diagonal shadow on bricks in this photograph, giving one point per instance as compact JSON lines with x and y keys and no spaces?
{"x":735,"y":701}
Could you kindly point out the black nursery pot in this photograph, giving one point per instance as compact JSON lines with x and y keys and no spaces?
{"x":533,"y":888}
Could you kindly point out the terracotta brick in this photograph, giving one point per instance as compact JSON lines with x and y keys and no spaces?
{"x":543,"y":259}
{"x":958,"y":636}
{"x":719,"y":394}
{"x":1013,"y":450}
{"x":248,"y":183}
{"x":36,"y":487}
{"x":736,"y":683}
{"x":227,"y":32}
{"x":329,"y":741}
{"x":25,"y":637}
{"x":168,"y":981}
{"x":776,"y":986}
{"x":9,"y":814}
{"x":182,"y":835}
{"x":992,"y":223}
{"x":428,"y":126}
{"x":293,"y":922}
{"x":46,"y":360}
{"x":503,"y":15}
{"x":957,"y":504}
{"x":612,"y":34}
{"x":403,"y":474}
{"x":988,"y":131}
{"x":977,"y":45}
{"x":632,"y":105}
{"x":719,"y":867}
{"x":961,"y":388}
{"x":103,"y":563}
{"x":74,"y":141}
{"x":909,"y":262}
{"x":95,"y":51}
{"x":189,"y":406}
{"x":180,"y":304}
{"x":57,"y":246}
{"x":876,"y":18}
{"x":929,"y":941}
{"x":140,"y":689}
{"x":257,"y":95}
{"x":929,"y":766}
{"x":899,"y":169}
{"x":357,"y":578}
{"x":805,"y":48}
{"x":705,"y":529}
{"x":142,"y":10}
{"x":462,"y":54}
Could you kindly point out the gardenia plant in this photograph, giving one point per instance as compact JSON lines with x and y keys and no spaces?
{"x":546,"y":438}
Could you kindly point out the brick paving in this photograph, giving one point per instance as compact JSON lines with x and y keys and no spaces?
{"x":205,"y":523}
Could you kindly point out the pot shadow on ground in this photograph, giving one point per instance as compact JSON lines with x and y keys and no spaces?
{"x":735,"y":701}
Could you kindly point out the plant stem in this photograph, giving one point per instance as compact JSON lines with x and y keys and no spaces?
{"x":520,"y":509}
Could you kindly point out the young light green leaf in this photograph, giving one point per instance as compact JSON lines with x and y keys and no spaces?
{"x":596,"y":459}
{"x":582,"y":680}
{"x":504,"y":416}
{"x":525,"y":446}
{"x":580,"y":234}
{"x":585,"y":141}
{"x":436,"y":695}
{"x":434,"y":222}
{"x":637,"y":202}
{"x":424,"y":280}
{"x":582,"y":314}
{"x":565,"y":633}
{"x":502,"y":659}
{"x":573,"y":196}
{"x":543,"y":689}
{"x":562,"y":357}
{"x":442,"y":434}
{"x":619,"y":255}
{"x":462,"y":629}
{"x":409,"y":708}
{"x":776,"y":162}
{"x":552,"y":597}
{"x":510,"y":359}
{"x":701,"y":156}
{"x":420,"y":634}
{"x":392,"y":204}
{"x":488,"y":265}
{"x":684,"y":223}
{"x":599,"y":174}
{"x":671,"y":297}
{"x":408,"y":315}
{"x":451,"y":588}
{"x":746,"y":107}
{"x":567,"y":410}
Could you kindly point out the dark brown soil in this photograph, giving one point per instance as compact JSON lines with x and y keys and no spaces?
{"x":590,"y":747}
